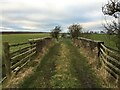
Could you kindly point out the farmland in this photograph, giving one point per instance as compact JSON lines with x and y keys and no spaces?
{"x":109,"y":40}
{"x":18,"y":38}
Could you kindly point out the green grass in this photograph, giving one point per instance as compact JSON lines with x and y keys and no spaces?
{"x":109,"y":40}
{"x":19,"y":38}
{"x":41,"y":77}
{"x":83,"y":71}
{"x":62,"y":67}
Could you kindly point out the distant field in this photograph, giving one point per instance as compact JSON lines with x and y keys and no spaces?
{"x":19,"y":38}
{"x":109,"y":40}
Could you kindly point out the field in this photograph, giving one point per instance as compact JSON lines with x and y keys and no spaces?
{"x":109,"y":40}
{"x":19,"y":38}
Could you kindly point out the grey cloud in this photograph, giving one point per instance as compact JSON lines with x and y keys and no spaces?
{"x":71,"y":14}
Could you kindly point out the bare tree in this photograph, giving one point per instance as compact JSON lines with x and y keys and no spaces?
{"x":112,"y":8}
{"x":111,"y":28}
{"x":75,"y":30}
{"x":55,"y":32}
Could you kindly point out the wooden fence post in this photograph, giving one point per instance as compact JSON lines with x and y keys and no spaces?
{"x":99,"y":46}
{"x":6,"y":58}
{"x":99,"y":61}
{"x":30,"y":49}
{"x":39,"y":45}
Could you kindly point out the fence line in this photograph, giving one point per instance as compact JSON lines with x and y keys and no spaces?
{"x":15,"y":60}
{"x":110,"y":57}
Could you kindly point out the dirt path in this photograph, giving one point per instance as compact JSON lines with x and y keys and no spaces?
{"x":63,"y":67}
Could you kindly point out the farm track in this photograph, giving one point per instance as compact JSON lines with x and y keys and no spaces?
{"x":63,"y":67}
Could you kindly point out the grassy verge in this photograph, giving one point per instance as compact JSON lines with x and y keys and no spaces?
{"x":83,"y":71}
{"x":41,"y":77}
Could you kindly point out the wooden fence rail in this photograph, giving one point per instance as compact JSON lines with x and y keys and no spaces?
{"x":15,"y":60}
{"x":109,"y":57}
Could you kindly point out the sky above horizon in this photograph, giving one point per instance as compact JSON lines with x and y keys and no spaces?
{"x":44,"y":15}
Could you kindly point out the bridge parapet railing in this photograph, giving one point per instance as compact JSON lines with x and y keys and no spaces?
{"x":16,"y":56}
{"x":108,"y":58}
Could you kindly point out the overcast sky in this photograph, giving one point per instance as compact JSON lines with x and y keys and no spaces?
{"x":44,"y":15}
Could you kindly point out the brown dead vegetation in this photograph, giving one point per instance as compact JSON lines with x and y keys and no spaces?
{"x":107,"y":80}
